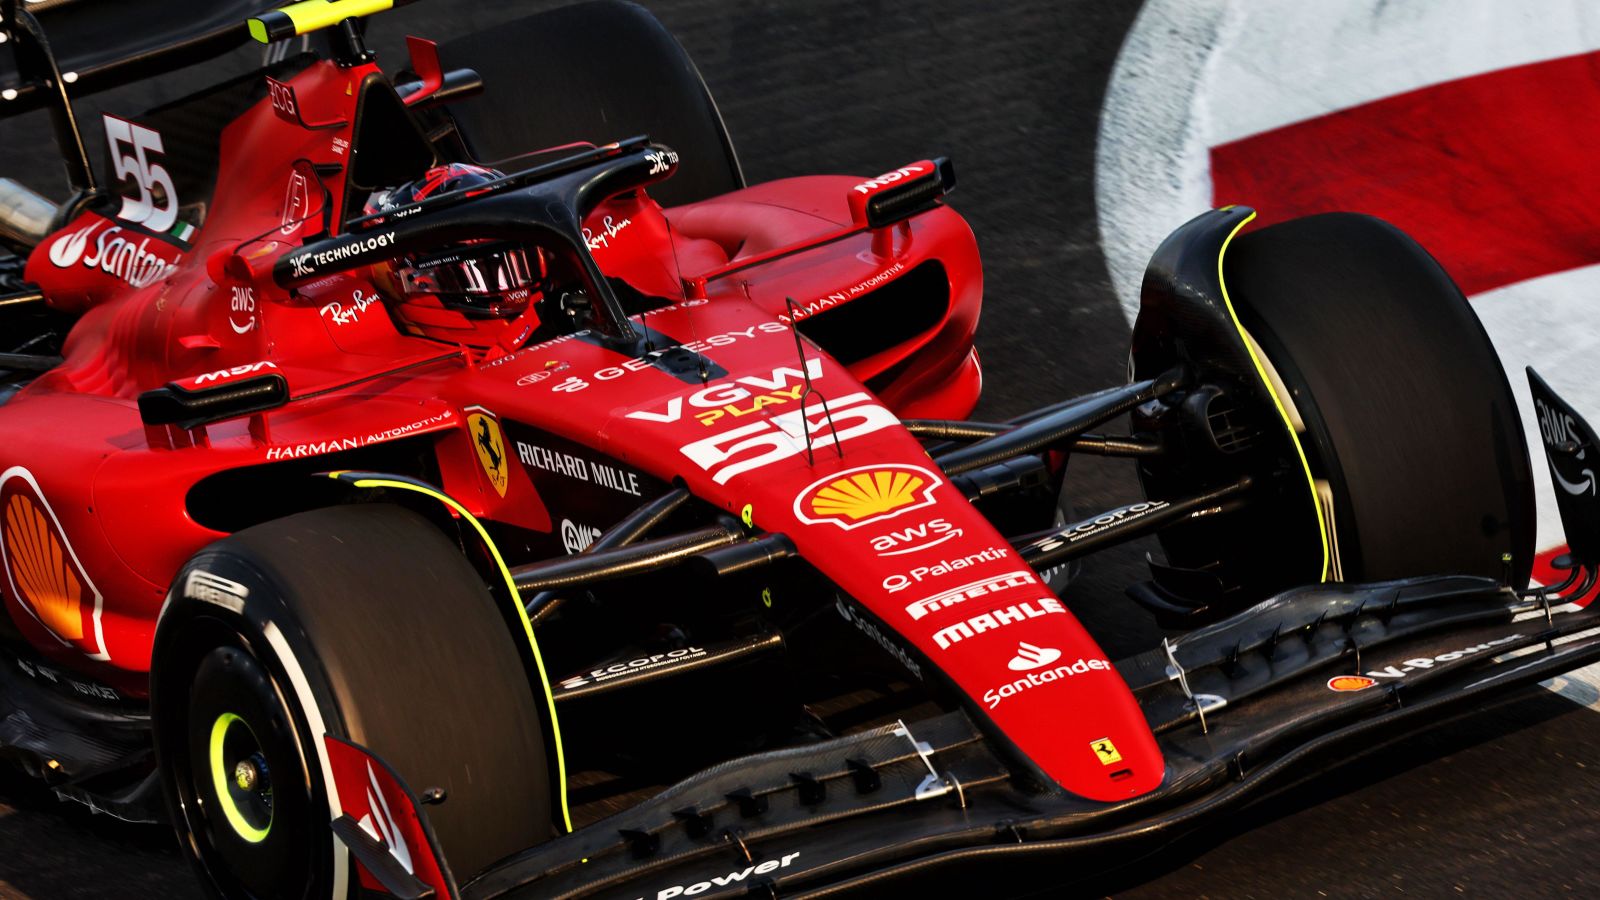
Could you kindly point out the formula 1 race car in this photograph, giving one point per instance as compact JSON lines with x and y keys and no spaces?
{"x":395,"y":505}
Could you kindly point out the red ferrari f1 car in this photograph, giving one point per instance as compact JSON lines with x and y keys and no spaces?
{"x":400,"y":492}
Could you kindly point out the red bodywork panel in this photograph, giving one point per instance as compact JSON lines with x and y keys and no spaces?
{"x":374,"y":797}
{"x":96,"y":517}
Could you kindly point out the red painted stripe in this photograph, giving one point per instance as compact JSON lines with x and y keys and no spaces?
{"x":1544,"y":573}
{"x":1496,"y":174}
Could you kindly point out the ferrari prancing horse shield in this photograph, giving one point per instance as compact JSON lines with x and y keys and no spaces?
{"x":490,"y":443}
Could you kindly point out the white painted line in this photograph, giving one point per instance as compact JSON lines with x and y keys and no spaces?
{"x":1581,"y":687}
{"x":1193,"y":74}
{"x":1196,"y":73}
{"x":1553,"y":324}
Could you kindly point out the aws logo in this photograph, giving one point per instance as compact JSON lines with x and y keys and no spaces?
{"x":859,"y":496}
{"x":1559,"y":428}
{"x":915,"y":537}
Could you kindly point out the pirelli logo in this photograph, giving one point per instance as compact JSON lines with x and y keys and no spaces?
{"x":967,"y":592}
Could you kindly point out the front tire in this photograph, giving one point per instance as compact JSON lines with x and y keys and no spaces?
{"x":1408,"y":415}
{"x":361,"y":622}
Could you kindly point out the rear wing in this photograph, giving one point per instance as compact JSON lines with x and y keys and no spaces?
{"x":100,"y":44}
{"x":54,"y":51}
{"x":91,"y":45}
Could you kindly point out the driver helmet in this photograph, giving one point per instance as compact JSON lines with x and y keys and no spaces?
{"x":445,"y":291}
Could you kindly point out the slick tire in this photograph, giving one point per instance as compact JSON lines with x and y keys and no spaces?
{"x":362,"y":622}
{"x":1408,"y":415}
{"x":598,"y":71}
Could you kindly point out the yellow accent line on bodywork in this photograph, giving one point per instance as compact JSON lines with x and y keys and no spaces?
{"x":522,"y":613}
{"x":1261,"y":372}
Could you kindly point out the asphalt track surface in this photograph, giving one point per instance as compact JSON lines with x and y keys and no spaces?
{"x":1497,"y":803}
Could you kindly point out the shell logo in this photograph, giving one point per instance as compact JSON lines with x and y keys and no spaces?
{"x":41,"y":575}
{"x":1350,"y":683}
{"x":42,"y":571}
{"x":858,"y":496}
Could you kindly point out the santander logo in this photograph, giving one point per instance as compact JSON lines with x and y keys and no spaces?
{"x":1032,"y":657}
{"x":66,"y":252}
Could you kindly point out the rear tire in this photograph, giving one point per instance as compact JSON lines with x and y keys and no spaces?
{"x":611,"y":71}
{"x":1408,"y":414}
{"x":365,"y":623}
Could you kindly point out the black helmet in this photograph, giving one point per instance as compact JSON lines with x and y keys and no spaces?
{"x":481,"y":279}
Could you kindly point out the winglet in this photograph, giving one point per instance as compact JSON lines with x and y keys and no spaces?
{"x":383,"y":825}
{"x":1573,"y":452}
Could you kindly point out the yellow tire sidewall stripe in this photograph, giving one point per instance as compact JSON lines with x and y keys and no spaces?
{"x":1277,"y":401}
{"x":522,"y":613}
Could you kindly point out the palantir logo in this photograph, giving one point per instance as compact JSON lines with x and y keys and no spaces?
{"x":66,"y":252}
{"x":1032,"y":657}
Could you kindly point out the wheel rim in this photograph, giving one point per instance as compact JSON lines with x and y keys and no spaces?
{"x":1320,"y":485}
{"x":241,"y":778}
{"x":243,"y":786}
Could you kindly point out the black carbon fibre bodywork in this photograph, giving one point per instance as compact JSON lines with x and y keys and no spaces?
{"x":113,"y":44}
{"x":1186,"y":319}
{"x":85,"y":741}
{"x":902,"y":799}
{"x":1183,"y":315}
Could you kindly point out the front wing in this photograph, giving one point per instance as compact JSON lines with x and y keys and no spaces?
{"x":1300,"y":682}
